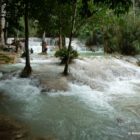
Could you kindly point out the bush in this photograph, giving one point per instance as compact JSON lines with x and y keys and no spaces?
{"x":63,"y":54}
{"x":123,"y":37}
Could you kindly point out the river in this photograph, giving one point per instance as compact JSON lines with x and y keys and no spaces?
{"x":101,"y":103}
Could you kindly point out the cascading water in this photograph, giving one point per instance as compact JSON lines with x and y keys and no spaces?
{"x":102,"y":102}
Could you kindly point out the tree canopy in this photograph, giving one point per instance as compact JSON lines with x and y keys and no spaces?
{"x":49,"y":13}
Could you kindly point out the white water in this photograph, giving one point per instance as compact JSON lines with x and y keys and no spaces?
{"x":36,"y":44}
{"x":102,"y":103}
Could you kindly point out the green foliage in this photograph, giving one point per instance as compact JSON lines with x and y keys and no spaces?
{"x":63,"y":54}
{"x":56,"y":15}
{"x":51,"y":15}
{"x":14,"y":10}
{"x":118,"y":6}
{"x":117,"y":33}
{"x":122,"y":37}
{"x":33,"y":26}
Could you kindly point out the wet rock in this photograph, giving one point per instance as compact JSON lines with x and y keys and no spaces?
{"x":119,"y":120}
{"x":3,"y":95}
{"x":131,"y":59}
{"x":54,"y":84}
{"x":12,"y":130}
{"x":138,"y":62}
{"x":1,"y":74}
{"x":45,"y":90}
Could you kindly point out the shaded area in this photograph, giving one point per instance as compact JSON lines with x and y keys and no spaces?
{"x":11,"y":130}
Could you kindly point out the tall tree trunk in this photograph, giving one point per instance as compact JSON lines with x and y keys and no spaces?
{"x":2,"y":24}
{"x":5,"y":32}
{"x":27,"y":69}
{"x":65,"y":72}
{"x":60,"y":32}
{"x":60,"y":39}
{"x":63,"y":41}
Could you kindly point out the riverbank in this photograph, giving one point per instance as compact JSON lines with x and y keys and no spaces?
{"x":7,"y":57}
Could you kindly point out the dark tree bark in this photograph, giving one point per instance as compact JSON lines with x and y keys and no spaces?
{"x":60,"y":32}
{"x":43,"y":42}
{"x":5,"y":35}
{"x":2,"y":24}
{"x":60,"y":39}
{"x":0,"y":21}
{"x":27,"y":69}
{"x":65,"y":72}
{"x":63,"y":41}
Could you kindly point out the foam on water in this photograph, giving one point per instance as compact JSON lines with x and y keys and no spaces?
{"x":99,"y":72}
{"x":40,"y":59}
{"x":23,"y":98}
{"x":19,"y":89}
{"x":43,"y":61}
{"x":94,"y":99}
{"x":102,"y":102}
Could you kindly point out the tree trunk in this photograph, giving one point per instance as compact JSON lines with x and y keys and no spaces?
{"x":60,"y":41}
{"x":27,"y":69}
{"x":65,"y":72}
{"x":63,"y":42}
{"x":60,"y":33}
{"x":2,"y":24}
{"x":5,"y":32}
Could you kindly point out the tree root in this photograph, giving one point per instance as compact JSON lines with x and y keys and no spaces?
{"x":26,"y":72}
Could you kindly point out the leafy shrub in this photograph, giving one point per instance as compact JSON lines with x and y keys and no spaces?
{"x":63,"y":54}
{"x":123,"y":38}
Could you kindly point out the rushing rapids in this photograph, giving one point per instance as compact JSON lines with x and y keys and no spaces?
{"x":101,"y":102}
